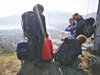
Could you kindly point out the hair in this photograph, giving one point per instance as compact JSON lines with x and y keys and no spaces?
{"x":75,"y":14}
{"x":71,"y":19}
{"x":47,"y":35}
{"x":38,"y":7}
{"x":81,"y":38}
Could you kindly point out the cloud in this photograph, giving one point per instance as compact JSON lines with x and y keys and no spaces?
{"x":10,"y":7}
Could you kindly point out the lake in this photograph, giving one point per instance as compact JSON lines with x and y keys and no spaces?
{"x":9,"y":27}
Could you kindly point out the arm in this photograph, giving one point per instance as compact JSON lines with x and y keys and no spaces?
{"x":78,"y":25}
{"x":68,"y":28}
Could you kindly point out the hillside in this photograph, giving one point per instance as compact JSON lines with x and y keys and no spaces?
{"x":52,"y":17}
{"x":10,"y":65}
{"x":10,"y":38}
{"x":89,"y":64}
{"x":91,"y":15}
{"x":10,"y":20}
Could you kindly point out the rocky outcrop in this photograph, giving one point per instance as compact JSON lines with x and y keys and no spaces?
{"x":86,"y":64}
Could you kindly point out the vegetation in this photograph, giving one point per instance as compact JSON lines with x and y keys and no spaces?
{"x":9,"y":64}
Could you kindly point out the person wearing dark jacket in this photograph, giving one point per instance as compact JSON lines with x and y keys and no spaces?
{"x":78,"y":28}
{"x":36,"y":42}
{"x":38,"y":10}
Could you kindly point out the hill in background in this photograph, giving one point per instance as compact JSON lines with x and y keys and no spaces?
{"x":52,"y":17}
{"x":10,"y":20}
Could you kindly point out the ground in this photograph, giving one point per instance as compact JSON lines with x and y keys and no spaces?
{"x":10,"y":65}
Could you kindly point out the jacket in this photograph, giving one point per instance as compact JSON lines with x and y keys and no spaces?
{"x":79,"y":26}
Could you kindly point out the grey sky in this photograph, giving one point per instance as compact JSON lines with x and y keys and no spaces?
{"x":11,"y":7}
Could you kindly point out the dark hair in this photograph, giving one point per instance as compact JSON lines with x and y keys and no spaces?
{"x":38,"y":7}
{"x":47,"y":35}
{"x":75,"y":14}
{"x":73,"y":23}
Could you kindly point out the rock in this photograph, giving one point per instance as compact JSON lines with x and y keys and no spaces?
{"x":94,"y":64}
{"x":86,"y":64}
{"x":42,"y":69}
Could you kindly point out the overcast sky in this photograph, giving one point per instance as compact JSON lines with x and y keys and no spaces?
{"x":11,"y":7}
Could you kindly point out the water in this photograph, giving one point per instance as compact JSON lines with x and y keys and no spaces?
{"x":10,"y":27}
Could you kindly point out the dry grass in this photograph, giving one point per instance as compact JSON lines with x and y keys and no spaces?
{"x":84,"y":64}
{"x":9,"y":64}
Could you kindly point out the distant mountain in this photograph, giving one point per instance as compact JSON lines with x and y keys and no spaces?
{"x":60,"y":19}
{"x":57,"y":19}
{"x":91,"y":15}
{"x":57,"y":16}
{"x":10,"y":20}
{"x":54,"y":18}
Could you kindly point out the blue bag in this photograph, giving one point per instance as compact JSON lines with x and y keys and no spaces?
{"x":22,"y":51}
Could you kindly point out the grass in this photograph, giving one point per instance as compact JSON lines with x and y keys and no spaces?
{"x":6,"y":57}
{"x":10,"y":65}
